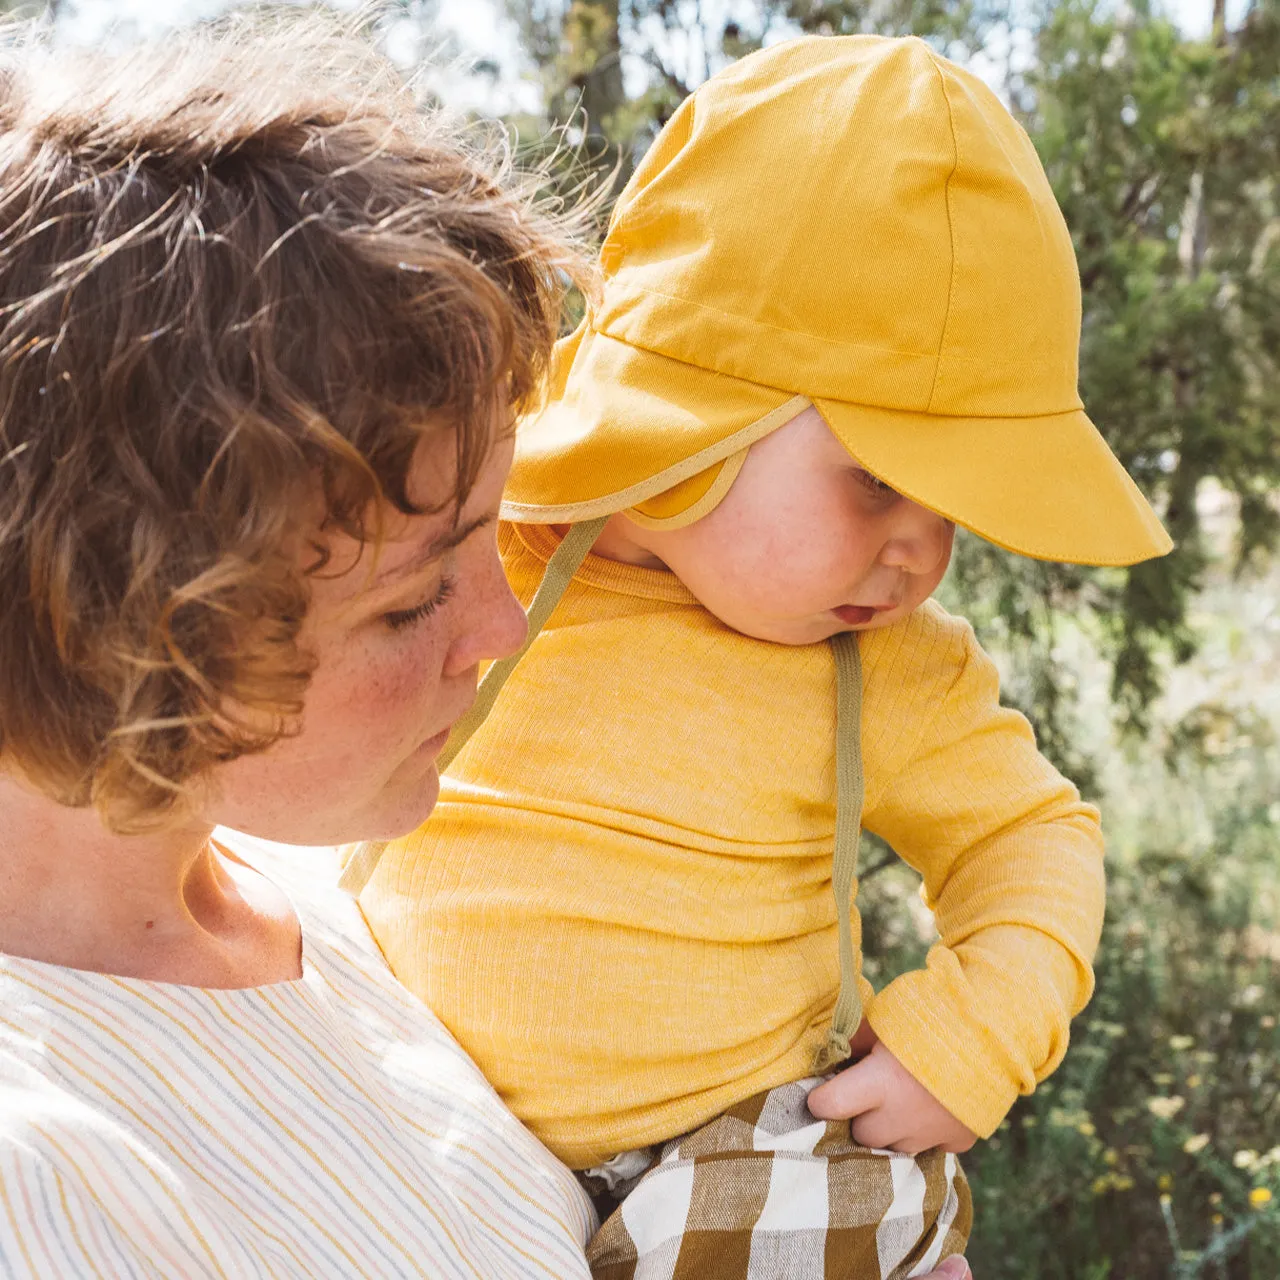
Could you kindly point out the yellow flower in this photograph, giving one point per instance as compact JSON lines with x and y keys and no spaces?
{"x":1065,"y":1118}
{"x":1196,"y":1144}
{"x":1181,"y":1043}
{"x":1259,"y":1196}
{"x":1165,"y":1182}
{"x":1110,"y":1156}
{"x":1165,"y":1108}
{"x":1193,"y":1082}
{"x":1086,"y":1128}
{"x":1217,"y":1219}
{"x":1112,"y":1182}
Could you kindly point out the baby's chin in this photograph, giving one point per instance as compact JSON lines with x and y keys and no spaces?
{"x":816,"y":629}
{"x":833,"y":626}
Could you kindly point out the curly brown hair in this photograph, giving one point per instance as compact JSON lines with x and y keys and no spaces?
{"x":238,"y":269}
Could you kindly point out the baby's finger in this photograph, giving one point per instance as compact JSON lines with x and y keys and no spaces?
{"x":908,"y":1146}
{"x":853,"y":1091}
{"x":877,"y":1129}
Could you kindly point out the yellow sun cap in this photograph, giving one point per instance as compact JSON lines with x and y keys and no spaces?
{"x":857,"y":223}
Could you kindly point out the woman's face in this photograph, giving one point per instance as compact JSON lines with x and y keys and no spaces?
{"x":396,"y":646}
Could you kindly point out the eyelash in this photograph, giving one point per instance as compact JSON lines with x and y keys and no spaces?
{"x":876,"y":486}
{"x":407,"y":617}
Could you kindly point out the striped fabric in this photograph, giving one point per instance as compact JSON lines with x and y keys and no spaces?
{"x":766,"y":1192}
{"x":328,"y":1127}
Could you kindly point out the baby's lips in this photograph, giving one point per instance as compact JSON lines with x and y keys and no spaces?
{"x":855,"y":615}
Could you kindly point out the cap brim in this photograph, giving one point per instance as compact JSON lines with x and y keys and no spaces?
{"x":1046,"y":487}
{"x":627,"y":422}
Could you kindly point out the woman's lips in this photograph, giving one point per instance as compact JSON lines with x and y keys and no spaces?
{"x":857,"y":615}
{"x":434,"y":746}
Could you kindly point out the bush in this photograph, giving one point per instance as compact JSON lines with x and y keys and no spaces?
{"x":1154,"y":1151}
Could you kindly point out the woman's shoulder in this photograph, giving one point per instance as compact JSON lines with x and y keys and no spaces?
{"x":84,"y":1191}
{"x":128,"y":1103}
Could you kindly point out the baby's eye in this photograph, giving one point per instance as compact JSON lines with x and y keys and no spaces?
{"x":874,"y":485}
{"x":407,"y":617}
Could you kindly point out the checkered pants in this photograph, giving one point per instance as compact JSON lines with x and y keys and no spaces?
{"x":766,"y":1192}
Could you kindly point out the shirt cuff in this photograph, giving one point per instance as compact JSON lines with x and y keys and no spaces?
{"x":976,"y":1066}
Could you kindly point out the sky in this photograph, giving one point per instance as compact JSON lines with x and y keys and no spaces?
{"x":478,"y":27}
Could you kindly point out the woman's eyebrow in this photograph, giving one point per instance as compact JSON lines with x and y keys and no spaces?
{"x":434,"y":550}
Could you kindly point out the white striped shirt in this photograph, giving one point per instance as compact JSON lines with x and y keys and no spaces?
{"x":325,"y":1127}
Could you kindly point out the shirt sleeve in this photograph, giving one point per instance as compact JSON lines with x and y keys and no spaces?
{"x":80,"y":1197}
{"x":1012,"y":866}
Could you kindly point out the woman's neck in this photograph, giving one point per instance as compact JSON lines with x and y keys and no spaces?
{"x":167,"y":907}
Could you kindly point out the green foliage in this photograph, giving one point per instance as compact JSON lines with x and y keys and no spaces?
{"x":1150,"y":1153}
{"x":1164,"y":154}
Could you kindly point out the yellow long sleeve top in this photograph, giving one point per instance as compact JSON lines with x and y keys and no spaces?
{"x":622,"y":905}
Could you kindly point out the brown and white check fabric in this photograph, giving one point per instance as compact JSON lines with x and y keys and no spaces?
{"x":766,"y":1192}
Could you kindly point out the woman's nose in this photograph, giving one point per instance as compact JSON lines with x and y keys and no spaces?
{"x":492,"y":626}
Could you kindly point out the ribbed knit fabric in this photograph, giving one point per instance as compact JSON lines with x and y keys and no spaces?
{"x":622,"y":905}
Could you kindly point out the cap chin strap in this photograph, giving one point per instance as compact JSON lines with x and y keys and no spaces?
{"x":649,"y":515}
{"x":847,"y":1015}
{"x":564,"y":563}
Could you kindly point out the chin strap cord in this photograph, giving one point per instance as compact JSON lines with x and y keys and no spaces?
{"x":362,"y":859}
{"x":847,"y":1015}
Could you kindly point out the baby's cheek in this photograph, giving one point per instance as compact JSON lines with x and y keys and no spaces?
{"x":819,"y":578}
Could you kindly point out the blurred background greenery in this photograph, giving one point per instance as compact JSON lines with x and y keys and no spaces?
{"x":1155,"y":1150}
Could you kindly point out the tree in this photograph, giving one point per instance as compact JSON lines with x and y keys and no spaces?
{"x":1164,"y":154}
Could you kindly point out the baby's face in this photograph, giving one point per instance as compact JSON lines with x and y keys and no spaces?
{"x":804,"y":545}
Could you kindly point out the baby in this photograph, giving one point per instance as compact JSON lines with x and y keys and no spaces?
{"x":840,"y":313}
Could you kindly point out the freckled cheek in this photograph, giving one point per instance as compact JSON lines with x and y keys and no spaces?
{"x":388,"y":686}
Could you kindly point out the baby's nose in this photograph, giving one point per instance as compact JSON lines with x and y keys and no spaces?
{"x":920,"y":541}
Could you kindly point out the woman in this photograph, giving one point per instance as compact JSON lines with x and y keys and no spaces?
{"x":264,"y":328}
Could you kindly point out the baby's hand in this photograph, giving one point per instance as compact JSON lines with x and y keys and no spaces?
{"x":888,"y":1106}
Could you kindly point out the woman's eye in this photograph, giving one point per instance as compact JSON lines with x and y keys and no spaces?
{"x":407,"y":617}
